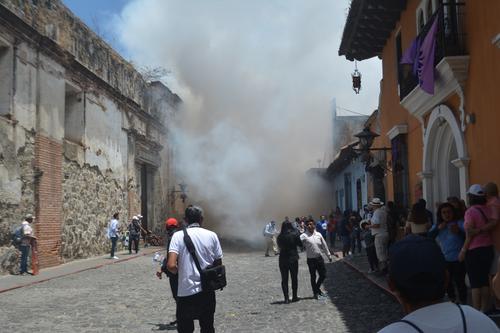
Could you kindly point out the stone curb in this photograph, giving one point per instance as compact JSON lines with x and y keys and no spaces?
{"x":143,"y":253}
{"x":366,"y":276}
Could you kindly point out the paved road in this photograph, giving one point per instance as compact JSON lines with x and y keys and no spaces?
{"x":126,"y":297}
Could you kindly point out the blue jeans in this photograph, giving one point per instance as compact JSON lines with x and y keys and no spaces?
{"x":113,"y":245}
{"x":24,"y":258}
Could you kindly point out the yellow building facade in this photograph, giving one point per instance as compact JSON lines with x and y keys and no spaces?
{"x":445,"y":141}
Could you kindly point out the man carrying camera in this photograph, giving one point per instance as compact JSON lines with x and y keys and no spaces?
{"x":192,"y":302}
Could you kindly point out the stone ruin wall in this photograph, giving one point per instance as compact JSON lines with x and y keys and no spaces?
{"x":54,"y":20}
{"x":12,"y":213}
{"x":89,"y":200}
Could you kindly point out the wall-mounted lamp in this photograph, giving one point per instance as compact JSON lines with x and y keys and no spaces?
{"x":356,"y":79}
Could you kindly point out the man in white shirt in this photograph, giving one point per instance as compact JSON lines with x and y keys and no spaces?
{"x":270,"y":233}
{"x":418,"y":278}
{"x":27,"y":236}
{"x":192,"y":302}
{"x":378,"y":228}
{"x":315,"y":245}
{"x":113,"y":231}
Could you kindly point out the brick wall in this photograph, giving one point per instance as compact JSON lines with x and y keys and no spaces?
{"x":48,"y":193}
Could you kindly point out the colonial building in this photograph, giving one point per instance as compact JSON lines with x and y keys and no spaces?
{"x":82,"y":135}
{"x":351,"y":173}
{"x":438,"y":115}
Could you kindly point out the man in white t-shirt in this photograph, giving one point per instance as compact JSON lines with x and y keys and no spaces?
{"x":378,"y":228}
{"x":418,"y":278}
{"x":26,"y":240}
{"x":192,"y":302}
{"x":113,"y":233}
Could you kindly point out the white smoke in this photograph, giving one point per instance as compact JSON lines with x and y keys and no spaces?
{"x":256,"y":78}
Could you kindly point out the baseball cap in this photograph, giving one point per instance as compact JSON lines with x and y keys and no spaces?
{"x":135,"y":218}
{"x":476,"y":190}
{"x":414,"y":257}
{"x":29,"y":216}
{"x":171,"y":222}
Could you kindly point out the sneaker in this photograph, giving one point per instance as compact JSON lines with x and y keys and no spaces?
{"x":370,"y":271}
{"x":115,"y":257}
{"x":267,"y":255}
{"x":323,"y":293}
{"x":295,"y":299}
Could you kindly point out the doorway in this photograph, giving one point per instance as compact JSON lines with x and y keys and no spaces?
{"x":445,"y":161}
{"x":144,"y":196}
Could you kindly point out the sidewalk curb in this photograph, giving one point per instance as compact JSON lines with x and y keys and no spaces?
{"x":377,"y":284}
{"x":79,"y":271}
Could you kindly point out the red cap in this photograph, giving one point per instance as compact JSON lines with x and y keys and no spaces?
{"x":171,"y":222}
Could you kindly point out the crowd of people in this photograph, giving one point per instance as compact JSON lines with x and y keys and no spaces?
{"x":466,"y":235}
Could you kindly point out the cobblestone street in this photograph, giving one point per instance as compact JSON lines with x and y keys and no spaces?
{"x":126,"y":296}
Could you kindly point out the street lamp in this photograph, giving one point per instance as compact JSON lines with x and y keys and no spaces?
{"x":366,"y":138}
{"x":356,"y":79}
{"x":183,"y":191}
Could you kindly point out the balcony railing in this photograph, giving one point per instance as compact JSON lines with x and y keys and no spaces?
{"x":450,"y":41}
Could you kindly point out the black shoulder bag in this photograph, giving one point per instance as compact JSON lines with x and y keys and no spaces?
{"x":212,"y":277}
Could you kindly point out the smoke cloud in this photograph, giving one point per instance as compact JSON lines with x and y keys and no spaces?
{"x":257,"y":79}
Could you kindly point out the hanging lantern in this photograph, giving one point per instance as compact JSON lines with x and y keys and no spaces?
{"x":356,"y":79}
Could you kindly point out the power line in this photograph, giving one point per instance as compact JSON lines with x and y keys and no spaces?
{"x":354,"y":112}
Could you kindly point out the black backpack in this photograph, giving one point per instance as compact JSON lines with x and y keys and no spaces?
{"x":17,"y":236}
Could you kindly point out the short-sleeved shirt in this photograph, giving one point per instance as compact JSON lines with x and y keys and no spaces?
{"x":443,"y":317}
{"x":494,"y":205}
{"x":113,"y":228}
{"x":474,"y":219}
{"x":379,"y":217}
{"x":27,"y":233}
{"x":208,"y":250}
{"x":451,"y":243}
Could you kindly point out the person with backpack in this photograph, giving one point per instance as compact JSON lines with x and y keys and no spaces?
{"x":192,"y":250}
{"x":27,"y":235}
{"x":478,"y":248}
{"x":134,"y":233}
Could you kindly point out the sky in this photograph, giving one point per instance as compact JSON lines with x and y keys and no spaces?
{"x":257,"y":79}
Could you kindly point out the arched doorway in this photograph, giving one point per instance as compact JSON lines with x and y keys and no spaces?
{"x":445,"y":162}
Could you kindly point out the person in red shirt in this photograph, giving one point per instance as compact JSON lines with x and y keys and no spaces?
{"x":332,"y":231}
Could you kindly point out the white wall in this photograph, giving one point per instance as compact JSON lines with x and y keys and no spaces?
{"x":357,"y":171}
{"x":105,"y":139}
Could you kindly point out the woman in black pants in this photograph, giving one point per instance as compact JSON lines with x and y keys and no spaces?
{"x":288,"y":241}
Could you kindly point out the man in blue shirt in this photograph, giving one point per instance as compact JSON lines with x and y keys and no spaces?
{"x":322,"y":226}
